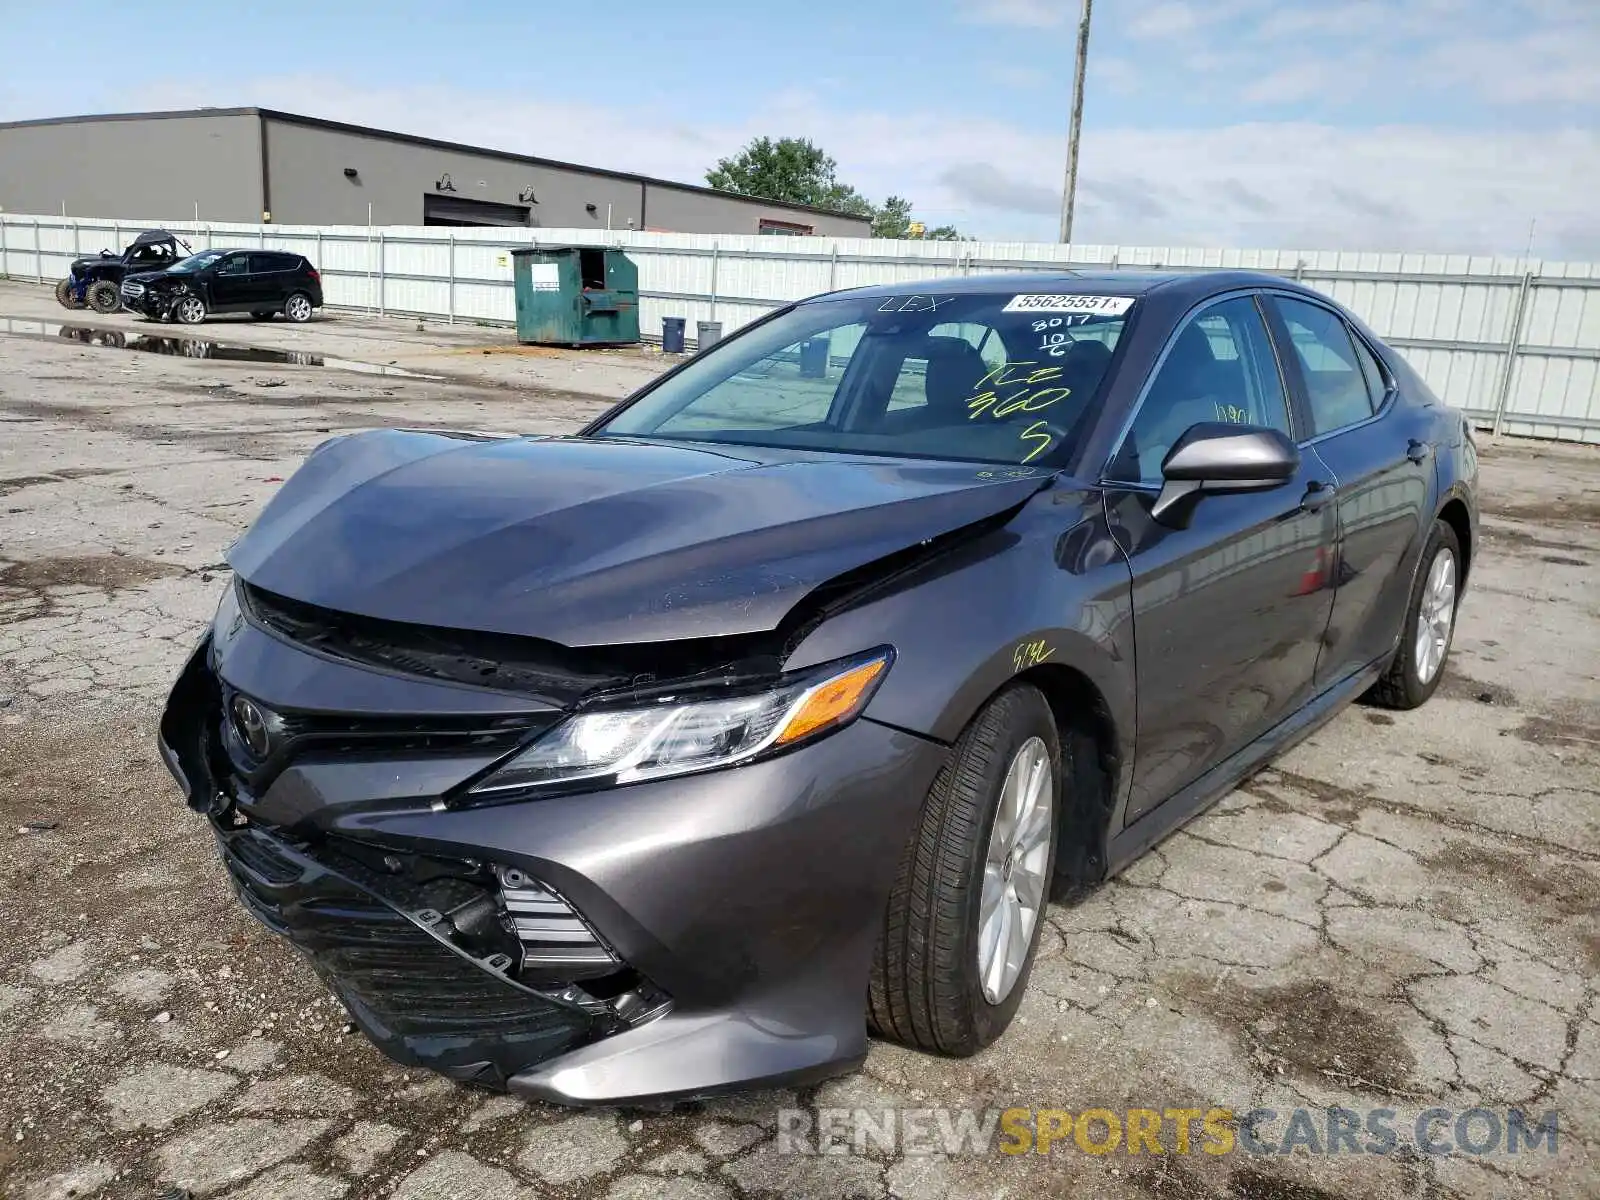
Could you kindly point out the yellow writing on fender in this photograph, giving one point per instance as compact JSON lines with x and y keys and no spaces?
{"x":1030,"y":654}
{"x":1101,"y":1131}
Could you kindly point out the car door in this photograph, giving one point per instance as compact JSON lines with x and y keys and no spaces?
{"x":271,"y":275}
{"x":230,"y":282}
{"x":1231,"y":604}
{"x":1381,"y":464}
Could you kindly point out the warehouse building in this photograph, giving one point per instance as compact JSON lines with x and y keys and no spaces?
{"x":256,"y":164}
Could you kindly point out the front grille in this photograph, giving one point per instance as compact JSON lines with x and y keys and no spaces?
{"x":519,"y":664}
{"x":130,"y":288}
{"x":299,"y":736}
{"x":421,"y":1002}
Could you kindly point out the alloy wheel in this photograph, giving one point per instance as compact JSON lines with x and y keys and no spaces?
{"x":1014,"y":870}
{"x":298,"y":309}
{"x":1435,"y":616}
{"x":190,"y":311}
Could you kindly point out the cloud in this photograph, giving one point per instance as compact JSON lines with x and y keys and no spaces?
{"x":1302,"y":80}
{"x":1279,"y":184}
{"x":988,"y":186}
{"x":1029,"y":14}
{"x":1168,"y":20}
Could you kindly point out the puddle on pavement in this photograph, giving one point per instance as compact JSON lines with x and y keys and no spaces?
{"x":194,"y":347}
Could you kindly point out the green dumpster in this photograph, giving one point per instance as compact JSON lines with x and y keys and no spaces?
{"x":576,"y":296}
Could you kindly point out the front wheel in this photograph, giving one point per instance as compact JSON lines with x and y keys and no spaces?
{"x":66,"y":296}
{"x":188,"y":310}
{"x":1418,"y":664}
{"x":103,"y":296}
{"x":968,"y":900}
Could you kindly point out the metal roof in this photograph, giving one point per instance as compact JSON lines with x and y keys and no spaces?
{"x":288,"y":118}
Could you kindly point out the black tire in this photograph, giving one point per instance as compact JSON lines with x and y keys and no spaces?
{"x":65,"y":296}
{"x":925,"y":990}
{"x":1401,"y":685}
{"x":297,"y":308}
{"x":103,"y":296}
{"x":187,"y":309}
{"x":263,"y":314}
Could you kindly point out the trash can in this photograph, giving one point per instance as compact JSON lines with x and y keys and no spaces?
{"x":707,"y":333}
{"x":576,"y":296}
{"x":672,"y":334}
{"x":814,"y":358}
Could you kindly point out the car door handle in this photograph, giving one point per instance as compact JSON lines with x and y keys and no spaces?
{"x":1317,"y":495}
{"x":1418,"y":451}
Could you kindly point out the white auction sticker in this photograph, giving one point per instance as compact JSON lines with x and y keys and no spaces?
{"x":545,"y":277}
{"x":1111,"y":305}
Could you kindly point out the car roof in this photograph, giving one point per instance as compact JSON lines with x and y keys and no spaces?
{"x":1127,"y":282}
{"x":154,"y":235}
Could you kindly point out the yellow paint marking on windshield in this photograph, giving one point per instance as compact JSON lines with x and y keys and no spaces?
{"x":1038,"y":432}
{"x":987,"y":400}
{"x":1232,"y":413}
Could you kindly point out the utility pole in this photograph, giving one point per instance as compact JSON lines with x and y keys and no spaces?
{"x":1069,"y":192}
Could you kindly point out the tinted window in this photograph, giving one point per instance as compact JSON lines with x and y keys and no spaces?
{"x":996,"y":378}
{"x":1335,"y":384}
{"x":273,"y":262}
{"x":1372,"y":369}
{"x":234,"y":264}
{"x":1220,"y":367}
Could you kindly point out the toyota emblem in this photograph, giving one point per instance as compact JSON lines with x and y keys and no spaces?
{"x":250,"y":723}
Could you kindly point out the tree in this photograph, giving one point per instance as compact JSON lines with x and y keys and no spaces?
{"x":797,"y":171}
{"x":893,"y":220}
{"x":793,"y":170}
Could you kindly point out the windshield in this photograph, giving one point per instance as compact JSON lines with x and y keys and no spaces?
{"x":999,"y":378}
{"x":198,"y":262}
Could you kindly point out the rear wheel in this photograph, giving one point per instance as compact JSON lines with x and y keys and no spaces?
{"x":66,"y":296}
{"x":968,"y":901}
{"x":298,"y":308}
{"x":188,"y":310}
{"x":1419,"y":660}
{"x":103,"y":296}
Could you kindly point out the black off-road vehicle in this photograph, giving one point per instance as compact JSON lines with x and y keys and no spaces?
{"x":96,"y":282}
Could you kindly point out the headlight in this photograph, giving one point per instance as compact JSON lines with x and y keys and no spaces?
{"x":608,"y":746}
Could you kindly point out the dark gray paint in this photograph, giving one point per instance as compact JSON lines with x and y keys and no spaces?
{"x":753,"y":895}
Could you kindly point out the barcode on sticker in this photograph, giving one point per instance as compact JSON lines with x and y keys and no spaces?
{"x":1111,"y":305}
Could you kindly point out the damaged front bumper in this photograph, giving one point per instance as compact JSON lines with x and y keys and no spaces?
{"x":666,"y":939}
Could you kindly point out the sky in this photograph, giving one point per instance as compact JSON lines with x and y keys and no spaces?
{"x":1437,"y":125}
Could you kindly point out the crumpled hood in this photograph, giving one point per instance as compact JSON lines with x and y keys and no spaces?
{"x":591,"y":542}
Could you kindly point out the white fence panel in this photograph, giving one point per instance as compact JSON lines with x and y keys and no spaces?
{"x":1515,"y":343}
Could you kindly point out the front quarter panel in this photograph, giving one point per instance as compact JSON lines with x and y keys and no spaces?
{"x":1049,"y":590}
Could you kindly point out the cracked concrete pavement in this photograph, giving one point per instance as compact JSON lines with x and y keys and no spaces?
{"x":1403,"y":912}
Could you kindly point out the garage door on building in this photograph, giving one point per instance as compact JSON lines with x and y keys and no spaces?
{"x":453,"y":210}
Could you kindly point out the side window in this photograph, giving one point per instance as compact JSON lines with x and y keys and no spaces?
{"x":234,"y":264}
{"x":1220,"y":367}
{"x":1336,"y":386}
{"x":1377,"y":377}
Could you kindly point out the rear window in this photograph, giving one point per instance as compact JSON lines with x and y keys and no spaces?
{"x":273,"y":262}
{"x":1001,"y":378}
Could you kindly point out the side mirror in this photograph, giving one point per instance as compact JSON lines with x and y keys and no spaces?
{"x":1214,"y":456}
